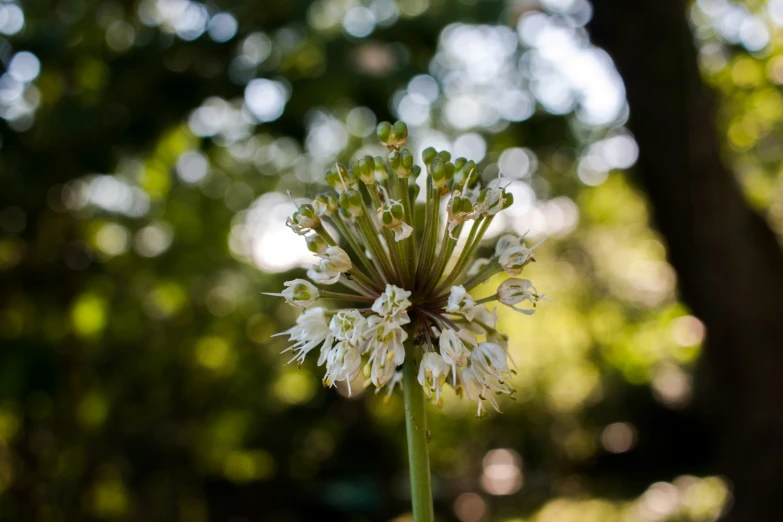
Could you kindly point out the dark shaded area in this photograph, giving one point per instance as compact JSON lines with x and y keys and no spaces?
{"x":729,"y":263}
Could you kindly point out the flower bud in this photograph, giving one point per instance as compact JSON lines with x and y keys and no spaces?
{"x":351,"y":200}
{"x":304,"y":220}
{"x":402,"y":162}
{"x":444,"y":155}
{"x":391,"y":215}
{"x":460,"y":209}
{"x":384,"y":130}
{"x":325,"y":205}
{"x":413,"y":191}
{"x":392,"y":135}
{"x":364,"y":169}
{"x":467,"y":175}
{"x":442,"y":172}
{"x":459,"y":164}
{"x":399,"y":134}
{"x":340,"y":178}
{"x":316,"y":244}
{"x":394,"y":159}
{"x":300,"y":293}
{"x":428,"y":155}
{"x":381,"y":174}
{"x":415,"y":171}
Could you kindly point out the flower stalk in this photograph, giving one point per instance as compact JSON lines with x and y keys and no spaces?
{"x":418,"y":436}
{"x":406,"y":315}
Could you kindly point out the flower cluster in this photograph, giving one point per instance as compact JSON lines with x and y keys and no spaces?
{"x":407,"y":280}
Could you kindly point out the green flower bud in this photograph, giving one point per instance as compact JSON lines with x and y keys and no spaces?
{"x":316,"y":244}
{"x":442,"y":172}
{"x":428,"y":155}
{"x":468,"y":172}
{"x":384,"y":131}
{"x":394,"y":159}
{"x":381,"y":174}
{"x":325,"y":204}
{"x":444,"y":155}
{"x":351,"y":200}
{"x":415,"y":171}
{"x":406,"y":159}
{"x":391,"y":215}
{"x":399,"y":134}
{"x":364,"y":168}
{"x":459,"y":164}
{"x":340,"y":178}
{"x":304,"y":220}
{"x":413,"y":191}
{"x":401,"y":161}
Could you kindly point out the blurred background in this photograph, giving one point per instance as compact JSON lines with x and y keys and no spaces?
{"x":146,"y":148}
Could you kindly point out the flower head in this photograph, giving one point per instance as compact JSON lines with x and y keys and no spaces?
{"x":407,"y":274}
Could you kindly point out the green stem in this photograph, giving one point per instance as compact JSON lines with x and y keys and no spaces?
{"x":418,"y":435}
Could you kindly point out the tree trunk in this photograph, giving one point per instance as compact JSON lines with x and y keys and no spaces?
{"x":729,"y":263}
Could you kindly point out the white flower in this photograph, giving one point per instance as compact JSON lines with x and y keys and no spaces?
{"x":476,"y":391}
{"x":343,"y":362}
{"x":348,"y":325}
{"x":299,"y":292}
{"x":514,"y":259}
{"x":453,"y":350}
{"x":432,"y":374}
{"x":402,"y":231}
{"x":505,"y":242}
{"x":486,"y":375}
{"x":393,"y":303}
{"x":461,"y":302}
{"x":385,"y":339}
{"x":320,"y":277}
{"x":311,"y":330}
{"x":335,"y":259}
{"x":417,"y":282}
{"x":513,"y":291}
